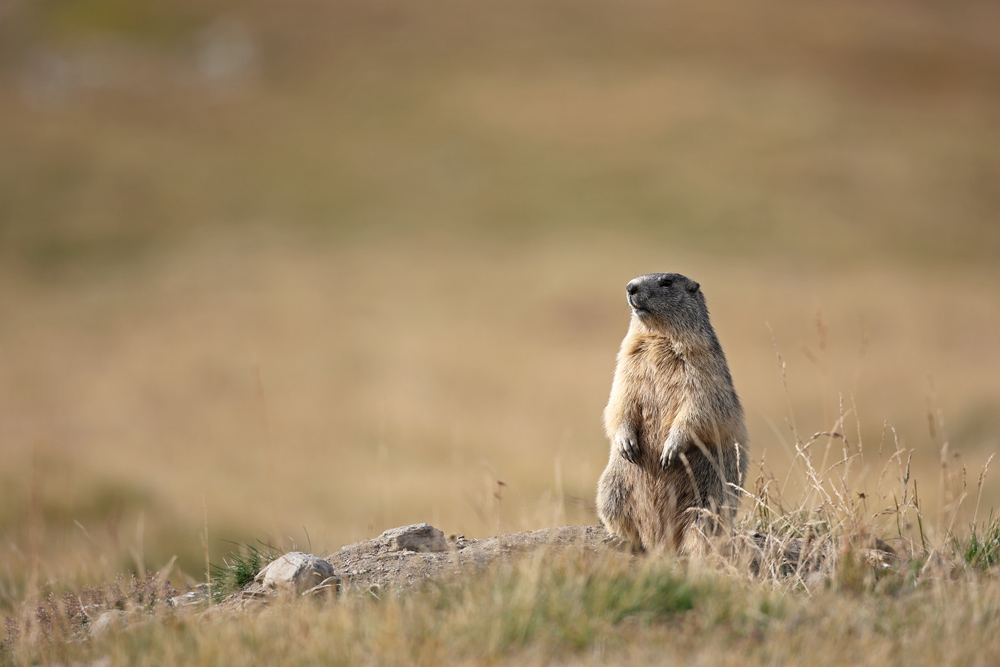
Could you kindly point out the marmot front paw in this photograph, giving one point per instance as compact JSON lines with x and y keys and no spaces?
{"x":628,"y":445}
{"x":671,"y":448}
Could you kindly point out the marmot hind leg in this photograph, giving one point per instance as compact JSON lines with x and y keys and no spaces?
{"x":614,"y":508}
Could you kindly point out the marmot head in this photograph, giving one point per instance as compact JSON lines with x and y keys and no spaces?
{"x":669,"y":303}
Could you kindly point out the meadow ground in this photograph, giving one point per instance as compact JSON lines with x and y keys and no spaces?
{"x":914,"y":602}
{"x":304,"y":273}
{"x":327,"y":394}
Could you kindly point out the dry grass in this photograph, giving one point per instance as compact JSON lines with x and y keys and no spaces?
{"x":288,"y":397}
{"x":347,"y":390}
{"x":934,"y":600}
{"x":726,"y":623}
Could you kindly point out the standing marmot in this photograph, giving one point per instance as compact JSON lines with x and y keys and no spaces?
{"x":678,"y":441}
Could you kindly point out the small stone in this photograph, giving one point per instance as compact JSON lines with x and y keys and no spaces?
{"x":419,"y":537}
{"x":297,"y":572}
{"x":106,"y":622}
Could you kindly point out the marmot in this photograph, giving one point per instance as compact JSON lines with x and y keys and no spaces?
{"x":678,"y":440}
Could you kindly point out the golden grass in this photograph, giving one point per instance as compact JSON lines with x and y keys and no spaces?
{"x":338,"y":391}
{"x":927,"y":604}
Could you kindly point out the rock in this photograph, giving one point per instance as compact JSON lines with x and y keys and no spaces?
{"x":298,"y":573}
{"x":780,"y":557}
{"x":405,"y":557}
{"x":378,"y":565}
{"x":938,"y":566}
{"x":191,"y":598}
{"x":419,"y":537}
{"x":107,"y":622}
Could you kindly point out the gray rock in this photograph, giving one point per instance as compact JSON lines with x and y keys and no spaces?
{"x":376,"y":566}
{"x":419,"y":537}
{"x":107,"y":622}
{"x":298,"y":573}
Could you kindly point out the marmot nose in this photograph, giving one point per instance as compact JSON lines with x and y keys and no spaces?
{"x":632,"y":287}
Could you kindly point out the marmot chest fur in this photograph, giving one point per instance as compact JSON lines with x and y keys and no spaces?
{"x":678,"y":439}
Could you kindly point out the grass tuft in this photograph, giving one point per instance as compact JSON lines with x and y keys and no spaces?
{"x":239,"y":567}
{"x":980,"y":549}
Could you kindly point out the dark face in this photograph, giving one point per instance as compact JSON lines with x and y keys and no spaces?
{"x":667,"y":299}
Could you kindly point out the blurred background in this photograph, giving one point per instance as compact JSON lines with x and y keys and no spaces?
{"x":305,"y":271}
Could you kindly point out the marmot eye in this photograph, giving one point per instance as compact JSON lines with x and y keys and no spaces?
{"x":666,"y":282}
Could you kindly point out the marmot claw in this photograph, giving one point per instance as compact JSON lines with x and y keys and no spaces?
{"x":671,"y":448}
{"x":628,"y":447}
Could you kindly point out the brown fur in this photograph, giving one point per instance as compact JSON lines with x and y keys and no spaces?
{"x":678,"y":440}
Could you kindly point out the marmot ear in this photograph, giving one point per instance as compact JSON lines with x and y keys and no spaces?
{"x":693,"y":287}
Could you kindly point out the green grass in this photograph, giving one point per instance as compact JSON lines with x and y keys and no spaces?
{"x":563,"y":602}
{"x":980,"y":548}
{"x":239,"y":567}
